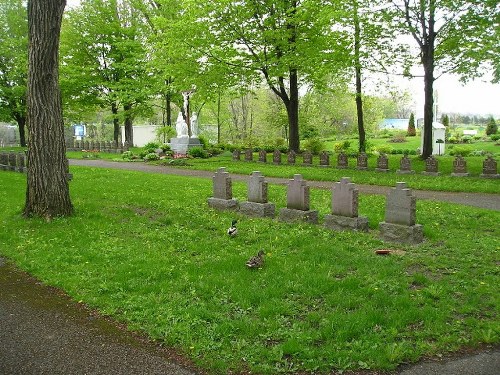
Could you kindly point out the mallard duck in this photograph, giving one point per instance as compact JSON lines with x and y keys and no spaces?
{"x":232,"y":231}
{"x":256,"y":261}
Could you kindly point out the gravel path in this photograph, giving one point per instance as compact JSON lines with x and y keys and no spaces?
{"x":482,"y":200}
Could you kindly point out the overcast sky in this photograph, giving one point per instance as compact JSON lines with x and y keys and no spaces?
{"x":476,"y":97}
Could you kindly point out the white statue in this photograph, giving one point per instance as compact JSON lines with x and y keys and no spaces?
{"x":181,"y":127}
{"x":194,"y":126}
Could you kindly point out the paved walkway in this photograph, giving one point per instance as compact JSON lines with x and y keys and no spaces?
{"x":482,"y":200}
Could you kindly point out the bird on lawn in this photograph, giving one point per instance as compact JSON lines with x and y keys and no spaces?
{"x":256,"y":261}
{"x":232,"y":231}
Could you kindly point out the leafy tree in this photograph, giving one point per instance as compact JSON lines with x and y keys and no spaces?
{"x":47,"y":193}
{"x":13,"y":63}
{"x":103,"y":60}
{"x":492,"y":127}
{"x":411,"y":132}
{"x":447,"y":33}
{"x":284,"y":44}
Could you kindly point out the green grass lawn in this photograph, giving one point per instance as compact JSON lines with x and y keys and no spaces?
{"x":146,"y":250}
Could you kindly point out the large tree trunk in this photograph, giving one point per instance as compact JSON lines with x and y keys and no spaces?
{"x":292,"y":109}
{"x":21,"y":124}
{"x":47,"y":193}
{"x":427,"y":50}
{"x":129,"y":130}
{"x":116,"y":122}
{"x":359,"y":98}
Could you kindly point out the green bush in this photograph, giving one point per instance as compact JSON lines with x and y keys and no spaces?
{"x":151,"y":156}
{"x":150,"y":148}
{"x":341,"y":146}
{"x":460,"y":150}
{"x":198,"y":152}
{"x":495,"y":137}
{"x":314,"y":145}
{"x":384,"y":149}
{"x":492,"y":127}
{"x":128,"y":155}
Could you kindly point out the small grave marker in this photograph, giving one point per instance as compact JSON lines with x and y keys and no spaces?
{"x":490,"y":168}
{"x":324,"y":159}
{"x":222,"y":191}
{"x":400,"y":217}
{"x":405,"y":166}
{"x":297,"y":202}
{"x":459,"y":167}
{"x":382,"y":163}
{"x":345,"y":208}
{"x":257,"y":204}
{"x":342,"y":161}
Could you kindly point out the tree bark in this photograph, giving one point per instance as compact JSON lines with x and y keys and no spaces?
{"x":116,"y":122}
{"x":129,"y":130}
{"x":21,"y":124}
{"x":359,"y":98}
{"x":47,"y":193}
{"x":427,"y":50}
{"x":292,"y":109}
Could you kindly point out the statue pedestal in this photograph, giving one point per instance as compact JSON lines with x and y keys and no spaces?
{"x":181,"y":145}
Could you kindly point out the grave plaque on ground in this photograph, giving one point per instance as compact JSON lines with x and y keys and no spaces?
{"x":342,"y":161}
{"x":257,"y":204}
{"x":291,"y":157}
{"x":277,"y":157}
{"x":262,"y":156}
{"x":400,"y":217}
{"x":236,"y":155}
{"x":248,"y":154}
{"x":362,"y":162}
{"x":405,"y":166}
{"x":490,"y":168}
{"x":324,"y":159}
{"x":222,"y":191}
{"x":459,"y":167}
{"x":307,"y":158}
{"x":345,"y":208}
{"x":382,"y":163}
{"x":431,"y":166}
{"x":297,"y":203}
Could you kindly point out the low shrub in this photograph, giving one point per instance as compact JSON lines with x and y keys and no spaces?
{"x":314,"y":145}
{"x":342,"y":146}
{"x":151,"y":156}
{"x":398,"y":138}
{"x":151,"y":147}
{"x":460,"y":150}
{"x":384,"y":149}
{"x":198,"y":152}
{"x":495,"y":137}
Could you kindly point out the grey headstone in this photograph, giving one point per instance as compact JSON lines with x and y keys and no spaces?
{"x":236,"y":155}
{"x":345,"y":198}
{"x":277,"y":157}
{"x":291,"y":157}
{"x":382,"y":163}
{"x":324,"y":159}
{"x":262,"y":156}
{"x":401,"y":206}
{"x":342,"y":161}
{"x":298,"y":194}
{"x":222,"y":184}
{"x":362,"y":161}
{"x":248,"y":154}
{"x":431,"y":166}
{"x":257,"y":188}
{"x":307,"y":158}
{"x":459,"y":167}
{"x":490,"y":168}
{"x":405,"y":165}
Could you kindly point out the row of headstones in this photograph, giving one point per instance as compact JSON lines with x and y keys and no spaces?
{"x":13,"y":161}
{"x":400,"y":213}
{"x":103,"y":146}
{"x":431,"y":163}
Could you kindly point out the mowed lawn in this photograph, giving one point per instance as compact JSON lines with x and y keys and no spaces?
{"x":146,"y":250}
